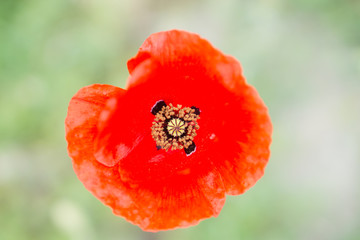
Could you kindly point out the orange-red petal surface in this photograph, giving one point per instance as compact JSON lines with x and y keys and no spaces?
{"x":175,"y":203}
{"x":114,"y":155}
{"x":183,"y":51}
{"x":235,"y":125}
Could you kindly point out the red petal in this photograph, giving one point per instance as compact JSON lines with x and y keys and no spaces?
{"x":126,"y":135}
{"x":235,"y":128}
{"x":178,"y":202}
{"x":179,"y":50}
{"x":175,"y":203}
{"x":234,"y":132}
{"x":244,"y":139}
{"x":83,"y":116}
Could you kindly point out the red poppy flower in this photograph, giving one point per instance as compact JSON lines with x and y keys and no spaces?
{"x":186,"y":131}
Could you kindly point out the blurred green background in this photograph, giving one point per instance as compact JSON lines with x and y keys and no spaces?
{"x":302,"y":56}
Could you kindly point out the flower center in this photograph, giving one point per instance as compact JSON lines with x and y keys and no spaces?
{"x":174,"y":127}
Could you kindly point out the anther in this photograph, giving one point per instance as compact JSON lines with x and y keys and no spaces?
{"x":158,"y":107}
{"x":190,"y":149}
{"x":197,"y":110}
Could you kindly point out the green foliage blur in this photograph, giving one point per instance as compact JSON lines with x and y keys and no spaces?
{"x":303,"y":57}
